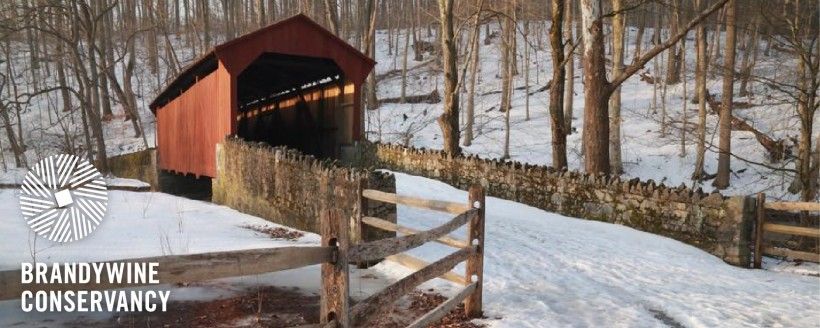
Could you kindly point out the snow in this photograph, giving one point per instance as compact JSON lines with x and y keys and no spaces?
{"x":139,"y":224}
{"x":15,"y":177}
{"x":126,"y":183}
{"x":541,"y":269}
{"x":546,"y":270}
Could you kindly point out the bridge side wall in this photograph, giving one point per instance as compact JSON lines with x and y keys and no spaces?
{"x":287,"y":187}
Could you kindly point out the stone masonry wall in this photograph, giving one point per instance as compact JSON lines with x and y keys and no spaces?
{"x":712,"y":222}
{"x":287,"y":187}
{"x":141,"y":165}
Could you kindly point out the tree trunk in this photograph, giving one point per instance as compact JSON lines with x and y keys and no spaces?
{"x":684,"y":117}
{"x":19,"y":154}
{"x":206,"y":22}
{"x":526,"y":68}
{"x":407,"y":32}
{"x":474,"y":64}
{"x":596,"y":99}
{"x":508,"y":51}
{"x":749,"y":58}
{"x":107,"y":66}
{"x":331,"y":16}
{"x":700,"y":85}
{"x":618,"y":26}
{"x":639,"y":36}
{"x":569,"y":84}
{"x":714,"y":54}
{"x":370,"y":51}
{"x":415,"y":22}
{"x":673,"y":59}
{"x":557,"y":121}
{"x":448,"y":121}
{"x":725,"y":125}
{"x":150,"y":37}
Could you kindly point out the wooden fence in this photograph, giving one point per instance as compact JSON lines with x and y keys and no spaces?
{"x":471,"y":213}
{"x":762,"y":226}
{"x":334,"y":254}
{"x":208,"y":266}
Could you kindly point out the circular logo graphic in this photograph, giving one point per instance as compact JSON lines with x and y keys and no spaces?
{"x":64,"y":198}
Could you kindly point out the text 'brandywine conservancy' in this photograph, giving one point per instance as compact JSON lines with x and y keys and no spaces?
{"x":85,"y":276}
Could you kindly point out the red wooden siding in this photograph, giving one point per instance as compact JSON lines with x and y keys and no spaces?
{"x":190,"y":126}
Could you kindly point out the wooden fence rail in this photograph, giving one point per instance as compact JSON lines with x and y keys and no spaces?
{"x":190,"y":268}
{"x":390,"y":226}
{"x":470,"y":250}
{"x":762,"y":226}
{"x":385,"y":247}
{"x":435,"y":205}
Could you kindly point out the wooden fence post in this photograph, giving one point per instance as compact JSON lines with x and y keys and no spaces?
{"x":760,"y":221}
{"x":475,"y":263}
{"x":358,"y":229}
{"x":335,"y":231}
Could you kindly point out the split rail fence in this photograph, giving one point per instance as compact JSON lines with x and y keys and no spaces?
{"x":764,"y":226}
{"x":334,"y":255}
{"x":392,"y":249}
{"x":178,"y":269}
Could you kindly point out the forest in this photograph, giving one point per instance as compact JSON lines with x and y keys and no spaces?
{"x":717,"y":89}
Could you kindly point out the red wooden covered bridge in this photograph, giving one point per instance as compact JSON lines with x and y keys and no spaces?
{"x":292,"y":83}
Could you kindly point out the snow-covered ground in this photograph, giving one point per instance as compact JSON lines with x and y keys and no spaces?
{"x":541,"y":269}
{"x":546,"y":270}
{"x":14,"y":177}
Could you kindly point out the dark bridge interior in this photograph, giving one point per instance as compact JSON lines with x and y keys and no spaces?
{"x":291,"y":101}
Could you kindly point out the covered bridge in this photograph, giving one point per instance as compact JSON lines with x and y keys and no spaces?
{"x":291,"y":83}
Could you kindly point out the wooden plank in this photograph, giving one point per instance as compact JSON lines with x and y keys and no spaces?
{"x":475,"y":263}
{"x":334,"y":306}
{"x":443,"y":309}
{"x":791,"y":230}
{"x":794,"y":206}
{"x":390,"y":226}
{"x":761,"y":219}
{"x":383,"y":248}
{"x":367,"y":309}
{"x":792,"y":254}
{"x":357,"y":236}
{"x":435,"y":205}
{"x":418,"y":264}
{"x":175,"y":269}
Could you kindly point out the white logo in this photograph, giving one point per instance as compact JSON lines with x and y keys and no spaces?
{"x":64,"y":198}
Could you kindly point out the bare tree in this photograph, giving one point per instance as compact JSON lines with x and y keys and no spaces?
{"x":448,"y":121}
{"x":725,"y":125}
{"x":597,"y":89}
{"x":508,"y":67}
{"x":331,"y":16}
{"x":700,"y":86}
{"x":618,"y":26}
{"x":557,"y":121}
{"x":474,"y":69}
{"x":569,"y":84}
